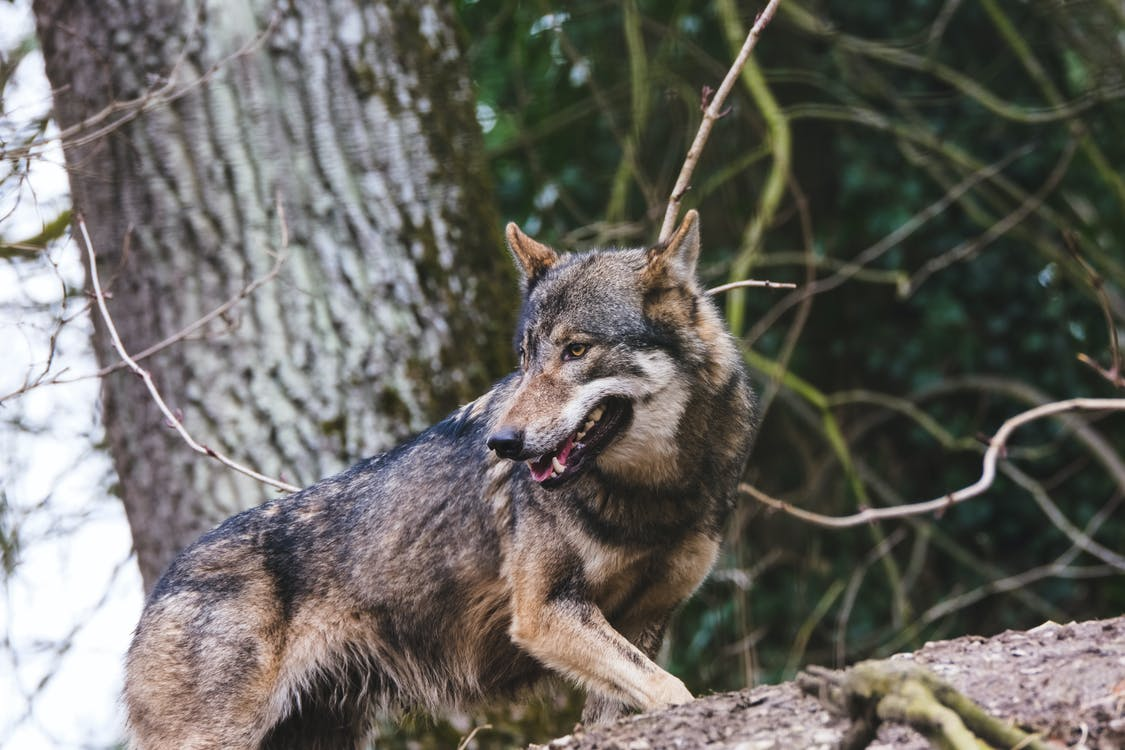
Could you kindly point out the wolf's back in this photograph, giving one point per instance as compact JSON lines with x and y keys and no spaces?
{"x":444,"y":574}
{"x":382,"y":583}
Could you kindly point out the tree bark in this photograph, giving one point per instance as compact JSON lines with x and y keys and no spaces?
{"x":357,"y":118}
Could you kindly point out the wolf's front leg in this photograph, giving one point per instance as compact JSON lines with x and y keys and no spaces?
{"x":647,"y":634}
{"x":555,"y":621}
{"x":574,"y":639}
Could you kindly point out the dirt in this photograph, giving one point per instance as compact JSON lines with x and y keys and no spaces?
{"x":1066,"y":682}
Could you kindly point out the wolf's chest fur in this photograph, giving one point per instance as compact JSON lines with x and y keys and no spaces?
{"x":577,"y":504}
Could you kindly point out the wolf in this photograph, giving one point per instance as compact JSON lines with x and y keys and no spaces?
{"x":549,"y":528}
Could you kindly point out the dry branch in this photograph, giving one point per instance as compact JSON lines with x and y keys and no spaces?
{"x":1028,"y":206}
{"x":893,"y":239}
{"x":172,"y":419}
{"x":711,"y":113}
{"x":1115,"y":373}
{"x":751,"y":282}
{"x":61,"y":377}
{"x":988,"y":474}
{"x":119,"y":113}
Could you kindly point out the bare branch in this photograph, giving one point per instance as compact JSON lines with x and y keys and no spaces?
{"x":1115,"y":373}
{"x":751,"y":282}
{"x":1000,"y":228}
{"x":144,"y":374}
{"x":119,"y":113}
{"x":1059,"y":520}
{"x":1014,"y":584}
{"x":188,"y":330}
{"x":895,"y":238}
{"x":713,"y":112}
{"x":988,"y":474}
{"x":60,"y":378}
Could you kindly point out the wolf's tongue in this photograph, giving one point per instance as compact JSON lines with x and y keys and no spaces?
{"x":564,"y":452}
{"x":540,"y":468}
{"x":543,"y":467}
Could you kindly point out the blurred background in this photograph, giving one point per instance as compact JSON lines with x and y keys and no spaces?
{"x":944,"y":182}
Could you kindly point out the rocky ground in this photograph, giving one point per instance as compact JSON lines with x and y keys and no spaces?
{"x":1065,"y":682}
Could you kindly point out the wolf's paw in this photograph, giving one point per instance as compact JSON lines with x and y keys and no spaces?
{"x":671,"y":692}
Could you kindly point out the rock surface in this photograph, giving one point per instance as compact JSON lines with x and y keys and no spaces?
{"x":1066,"y":682}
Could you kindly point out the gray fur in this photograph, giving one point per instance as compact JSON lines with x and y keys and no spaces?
{"x":440,"y":575}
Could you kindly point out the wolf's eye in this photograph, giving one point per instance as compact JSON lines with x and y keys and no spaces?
{"x":575,"y":351}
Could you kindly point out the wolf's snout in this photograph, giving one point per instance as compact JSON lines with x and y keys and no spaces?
{"x":507,"y":442}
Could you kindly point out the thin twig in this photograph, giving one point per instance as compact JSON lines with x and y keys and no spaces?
{"x":712,"y":113}
{"x":751,"y":282}
{"x":1115,"y":373}
{"x":1060,"y":521}
{"x":880,"y":550}
{"x":893,"y":239}
{"x":119,"y":113}
{"x":464,"y":743}
{"x":998,"y":229}
{"x":60,"y":378}
{"x":222,"y":309}
{"x":988,"y":473}
{"x":144,"y":374}
{"x":1014,"y":584}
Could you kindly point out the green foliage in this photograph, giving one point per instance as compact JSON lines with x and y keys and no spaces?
{"x":1006,"y":113}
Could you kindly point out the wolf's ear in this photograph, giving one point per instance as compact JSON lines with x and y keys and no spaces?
{"x":534,"y":257}
{"x":678,"y":256}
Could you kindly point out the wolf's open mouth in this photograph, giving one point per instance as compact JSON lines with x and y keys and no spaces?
{"x":597,"y":431}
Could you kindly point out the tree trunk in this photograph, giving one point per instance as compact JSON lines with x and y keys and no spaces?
{"x":358,"y":119}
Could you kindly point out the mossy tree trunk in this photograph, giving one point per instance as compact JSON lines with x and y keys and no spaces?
{"x":358,"y":119}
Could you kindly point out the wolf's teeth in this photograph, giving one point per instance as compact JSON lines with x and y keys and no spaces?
{"x":559,"y":467}
{"x":596,"y":414}
{"x":588,"y":426}
{"x":579,"y":435}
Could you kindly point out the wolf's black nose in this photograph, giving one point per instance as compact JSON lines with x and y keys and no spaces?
{"x":507,"y":442}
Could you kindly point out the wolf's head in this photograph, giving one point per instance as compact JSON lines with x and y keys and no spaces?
{"x":614,"y":347}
